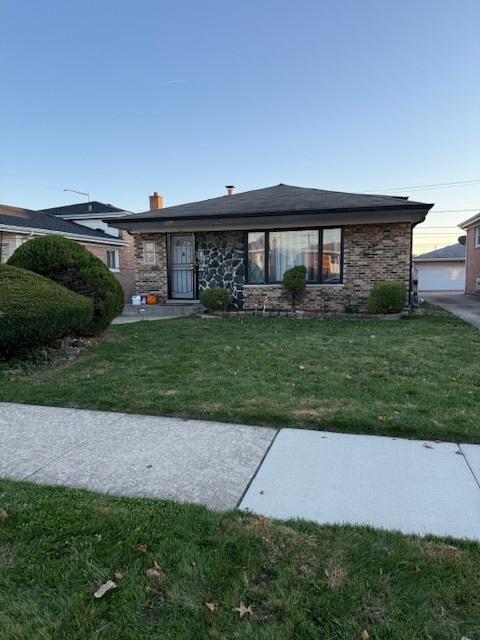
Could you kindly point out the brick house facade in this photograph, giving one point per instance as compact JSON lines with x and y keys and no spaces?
{"x":189,"y":248}
{"x":472,"y":255}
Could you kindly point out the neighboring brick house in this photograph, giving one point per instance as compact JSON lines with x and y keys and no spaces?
{"x":97,"y":215}
{"x":245,"y":242}
{"x":472,"y":256}
{"x":18,"y":225}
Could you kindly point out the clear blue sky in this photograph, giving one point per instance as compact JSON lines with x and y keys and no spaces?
{"x":123,"y":98}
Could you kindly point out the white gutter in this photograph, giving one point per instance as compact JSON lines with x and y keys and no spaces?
{"x":94,"y":216}
{"x":72,"y":236}
{"x":438,"y":259}
{"x":471,"y":221}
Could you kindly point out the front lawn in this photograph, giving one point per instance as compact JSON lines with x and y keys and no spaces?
{"x":298,"y":581}
{"x":412,"y":378}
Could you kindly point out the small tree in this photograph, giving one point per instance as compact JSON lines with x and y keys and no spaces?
{"x":294,"y":281}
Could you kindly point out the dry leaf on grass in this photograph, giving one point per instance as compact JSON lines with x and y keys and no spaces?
{"x":142,"y":548}
{"x":365,"y":635}
{"x":106,"y":586}
{"x":155,"y":572}
{"x":211,"y":606}
{"x":243,"y":610}
{"x":119,"y":575}
{"x":3,"y":515}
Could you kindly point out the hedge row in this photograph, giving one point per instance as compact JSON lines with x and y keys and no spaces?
{"x":74,"y":267}
{"x":35,"y":311}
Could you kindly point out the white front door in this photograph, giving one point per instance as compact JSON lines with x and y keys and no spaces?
{"x":182,"y":267}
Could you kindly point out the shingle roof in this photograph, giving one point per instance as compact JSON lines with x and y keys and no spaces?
{"x":281,"y":198}
{"x":18,"y":217}
{"x":453,"y":252}
{"x":83,"y":208}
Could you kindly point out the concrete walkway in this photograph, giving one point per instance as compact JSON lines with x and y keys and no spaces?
{"x":408,"y":485}
{"x":465,"y":307}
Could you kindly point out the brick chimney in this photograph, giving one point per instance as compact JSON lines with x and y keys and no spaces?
{"x":230,"y":189}
{"x":156,"y":201}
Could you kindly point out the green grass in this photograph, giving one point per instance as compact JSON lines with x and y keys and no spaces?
{"x":412,"y":378}
{"x":302,"y":581}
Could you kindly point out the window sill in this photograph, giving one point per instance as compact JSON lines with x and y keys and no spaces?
{"x":114,"y":270}
{"x":315,"y":285}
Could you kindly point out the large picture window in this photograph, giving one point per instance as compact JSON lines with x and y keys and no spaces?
{"x":271,"y":253}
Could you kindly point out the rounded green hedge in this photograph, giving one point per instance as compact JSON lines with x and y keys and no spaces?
{"x":387,"y":297}
{"x":35,"y":311}
{"x":71,"y":265}
{"x":215,"y":299}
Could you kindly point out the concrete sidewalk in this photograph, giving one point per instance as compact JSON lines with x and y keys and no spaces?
{"x":408,"y":485}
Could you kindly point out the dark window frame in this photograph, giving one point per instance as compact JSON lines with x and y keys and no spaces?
{"x":320,"y":230}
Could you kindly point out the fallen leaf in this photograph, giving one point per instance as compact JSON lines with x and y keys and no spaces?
{"x":118,"y":575}
{"x":382,"y":418}
{"x":155,"y":572}
{"x":98,"y":536}
{"x":365,"y":635}
{"x":459,"y":453}
{"x":155,"y":592}
{"x":243,"y":610}
{"x":301,"y":367}
{"x":106,"y":586}
{"x":142,"y":548}
{"x":3,"y":515}
{"x":427,"y":445}
{"x":211,"y":606}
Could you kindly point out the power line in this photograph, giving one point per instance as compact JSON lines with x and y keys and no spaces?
{"x":428,"y":186}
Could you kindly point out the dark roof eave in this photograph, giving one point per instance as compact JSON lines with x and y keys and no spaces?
{"x":254,"y":214}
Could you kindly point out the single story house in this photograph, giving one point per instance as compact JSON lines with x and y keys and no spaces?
{"x":442,"y":269}
{"x":245,"y":242}
{"x":98,"y":215}
{"x":17,"y":225}
{"x":472,"y":256}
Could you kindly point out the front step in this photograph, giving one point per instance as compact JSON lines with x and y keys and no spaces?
{"x":176,"y":309}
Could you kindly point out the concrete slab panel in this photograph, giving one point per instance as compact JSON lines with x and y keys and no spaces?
{"x":383,"y":482}
{"x":208,"y":463}
{"x":31,"y":436}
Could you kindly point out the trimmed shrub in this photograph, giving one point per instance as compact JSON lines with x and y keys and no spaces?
{"x":71,"y":265}
{"x":294,"y":281}
{"x":387,"y":297}
{"x":215,"y":299}
{"x":35,"y":311}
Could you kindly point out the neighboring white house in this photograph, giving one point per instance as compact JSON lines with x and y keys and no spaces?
{"x":441,"y":270}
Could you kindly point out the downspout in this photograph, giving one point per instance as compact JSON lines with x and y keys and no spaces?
{"x":1,"y":245}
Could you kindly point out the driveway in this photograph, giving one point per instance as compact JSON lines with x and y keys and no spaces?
{"x":465,"y":307}
{"x":406,"y":485}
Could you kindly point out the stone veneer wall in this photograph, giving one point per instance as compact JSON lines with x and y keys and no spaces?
{"x":152,"y":278}
{"x":371,"y":253}
{"x":223,"y":262}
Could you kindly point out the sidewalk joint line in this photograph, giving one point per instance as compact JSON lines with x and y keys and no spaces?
{"x":468,"y":465}
{"x":254,"y":475}
{"x":64,"y":453}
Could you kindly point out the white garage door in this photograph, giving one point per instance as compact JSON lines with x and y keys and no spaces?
{"x":441,"y":276}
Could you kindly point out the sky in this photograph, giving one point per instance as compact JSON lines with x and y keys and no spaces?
{"x":122,"y":98}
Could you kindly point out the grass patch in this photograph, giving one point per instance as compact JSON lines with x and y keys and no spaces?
{"x":302,"y":581}
{"x":411,"y":378}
